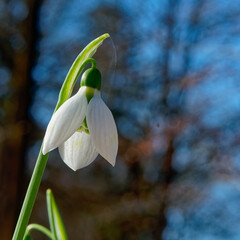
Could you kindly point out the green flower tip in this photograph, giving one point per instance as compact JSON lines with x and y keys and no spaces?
{"x":49,"y":192}
{"x":106,"y":35}
{"x":92,"y":78}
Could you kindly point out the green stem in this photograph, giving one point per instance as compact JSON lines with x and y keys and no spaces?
{"x":35,"y":183}
{"x":39,"y":228}
{"x":90,"y":60}
{"x":30,"y":196}
{"x":65,"y":93}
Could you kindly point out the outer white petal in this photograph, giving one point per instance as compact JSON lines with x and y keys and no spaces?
{"x":65,"y":121}
{"x":102,"y":128}
{"x":78,"y":151}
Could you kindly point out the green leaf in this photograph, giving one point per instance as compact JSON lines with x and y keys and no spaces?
{"x":77,"y":68}
{"x":55,"y":220}
{"x":37,"y":227}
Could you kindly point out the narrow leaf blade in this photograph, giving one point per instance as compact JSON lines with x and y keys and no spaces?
{"x":55,"y":220}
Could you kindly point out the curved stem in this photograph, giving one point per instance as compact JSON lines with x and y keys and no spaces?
{"x":35,"y":183}
{"x":39,"y":228}
{"x":76,"y":68}
{"x":64,"y":94}
{"x":30,"y":196}
{"x":92,"y":61}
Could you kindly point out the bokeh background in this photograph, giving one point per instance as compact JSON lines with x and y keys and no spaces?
{"x":175,"y":95}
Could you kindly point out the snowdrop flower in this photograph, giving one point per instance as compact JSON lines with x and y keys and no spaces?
{"x":83,"y":126}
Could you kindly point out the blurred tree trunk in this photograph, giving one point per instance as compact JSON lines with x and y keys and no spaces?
{"x":168,"y":175}
{"x":17,"y":124}
{"x":176,"y":112}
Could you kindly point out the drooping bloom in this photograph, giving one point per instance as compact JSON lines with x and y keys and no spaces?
{"x":83,"y":126}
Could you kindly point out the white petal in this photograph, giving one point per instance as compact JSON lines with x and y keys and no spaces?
{"x":65,"y":121}
{"x":102,"y":128}
{"x":78,"y":151}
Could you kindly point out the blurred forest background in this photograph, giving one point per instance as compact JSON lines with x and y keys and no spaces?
{"x":175,"y":95}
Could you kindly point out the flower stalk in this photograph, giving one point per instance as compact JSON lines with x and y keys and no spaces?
{"x":30,"y":196}
{"x":82,"y":59}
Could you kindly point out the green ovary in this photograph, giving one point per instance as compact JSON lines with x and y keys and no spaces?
{"x":84,"y":127}
{"x":92,"y":78}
